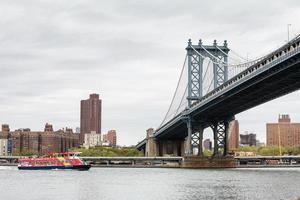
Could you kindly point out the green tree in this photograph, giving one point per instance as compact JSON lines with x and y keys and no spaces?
{"x":109,"y":152}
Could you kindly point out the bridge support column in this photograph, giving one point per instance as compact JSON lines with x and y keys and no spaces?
{"x":220,"y":130}
{"x":189,"y":148}
{"x":197,"y":138}
{"x":151,"y":144}
{"x":194,"y":138}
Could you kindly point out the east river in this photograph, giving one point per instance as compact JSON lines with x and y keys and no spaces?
{"x":149,"y":184}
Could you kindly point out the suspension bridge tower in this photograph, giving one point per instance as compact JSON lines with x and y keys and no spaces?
{"x":218,"y":55}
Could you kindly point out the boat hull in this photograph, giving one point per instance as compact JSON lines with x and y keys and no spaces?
{"x":72,"y":167}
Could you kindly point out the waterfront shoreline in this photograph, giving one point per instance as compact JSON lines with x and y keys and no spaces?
{"x":170,"y":166}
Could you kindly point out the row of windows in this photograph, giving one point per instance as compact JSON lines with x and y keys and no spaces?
{"x":47,"y":163}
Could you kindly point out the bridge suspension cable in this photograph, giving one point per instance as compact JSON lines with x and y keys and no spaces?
{"x":226,"y":54}
{"x":218,"y":61}
{"x":232,"y":51}
{"x":169,"y":113}
{"x":233,"y":69}
{"x":211,"y":82}
{"x":207,"y":67}
{"x":213,"y":60}
{"x":182,"y":98}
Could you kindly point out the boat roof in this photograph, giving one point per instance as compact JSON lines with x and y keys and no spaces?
{"x":49,"y":157}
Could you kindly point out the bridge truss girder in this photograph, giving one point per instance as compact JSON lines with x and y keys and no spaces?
{"x":220,"y":72}
{"x":220,"y":132}
{"x":196,"y":140}
{"x":196,"y":55}
{"x":195,"y":79}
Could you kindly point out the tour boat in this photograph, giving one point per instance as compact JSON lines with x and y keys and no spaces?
{"x":53,"y":162}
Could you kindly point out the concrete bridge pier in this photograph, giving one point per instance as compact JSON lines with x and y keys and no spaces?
{"x":171,"y":148}
{"x":155,"y":147}
{"x":151,"y":149}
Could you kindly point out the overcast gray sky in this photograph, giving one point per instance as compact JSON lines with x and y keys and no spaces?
{"x":55,"y":53}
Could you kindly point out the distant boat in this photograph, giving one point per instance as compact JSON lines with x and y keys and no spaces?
{"x":61,"y":161}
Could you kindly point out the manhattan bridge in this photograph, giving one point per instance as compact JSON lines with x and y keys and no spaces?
{"x":213,"y":87}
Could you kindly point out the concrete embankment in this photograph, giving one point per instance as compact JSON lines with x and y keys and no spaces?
{"x":183,"y":162}
{"x":173,"y":166}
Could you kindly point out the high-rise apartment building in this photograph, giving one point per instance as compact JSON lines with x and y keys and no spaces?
{"x":283,"y":133}
{"x":111,"y":138}
{"x":234,"y":135}
{"x":5,"y":131}
{"x":90,"y":116}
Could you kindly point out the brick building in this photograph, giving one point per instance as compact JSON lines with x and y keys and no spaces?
{"x":90,"y":116}
{"x":111,"y":138}
{"x":248,"y":139}
{"x":284,"y":132}
{"x":234,"y":135}
{"x":40,"y":142}
{"x":207,"y":144}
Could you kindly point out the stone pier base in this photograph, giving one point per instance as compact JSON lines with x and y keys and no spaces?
{"x":208,"y":162}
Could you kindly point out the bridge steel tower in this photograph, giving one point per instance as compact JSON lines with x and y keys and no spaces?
{"x":219,"y":56}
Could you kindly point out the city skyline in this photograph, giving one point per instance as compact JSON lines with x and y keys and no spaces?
{"x":50,"y":67}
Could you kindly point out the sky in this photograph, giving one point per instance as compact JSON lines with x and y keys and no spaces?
{"x":55,"y":53}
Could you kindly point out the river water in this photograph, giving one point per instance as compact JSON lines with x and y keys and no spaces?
{"x":149,"y":184}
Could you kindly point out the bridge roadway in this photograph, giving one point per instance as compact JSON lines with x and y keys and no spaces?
{"x":272,"y":77}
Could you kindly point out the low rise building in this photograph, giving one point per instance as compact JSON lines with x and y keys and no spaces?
{"x":25,"y":141}
{"x":3,"y":147}
{"x":92,"y":139}
{"x":283,"y":133}
{"x":248,"y":139}
{"x":105,"y":144}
